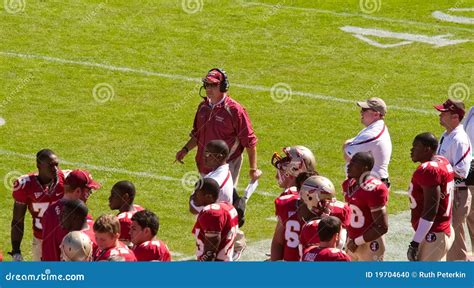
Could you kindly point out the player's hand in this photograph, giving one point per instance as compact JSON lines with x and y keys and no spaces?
{"x":412,"y":253}
{"x":255,"y":174}
{"x":351,"y":245}
{"x":16,"y":256}
{"x":180,"y":155}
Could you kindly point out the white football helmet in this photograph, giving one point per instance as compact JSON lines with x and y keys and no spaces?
{"x":297,"y":159}
{"x":317,"y":192}
{"x":76,"y":246}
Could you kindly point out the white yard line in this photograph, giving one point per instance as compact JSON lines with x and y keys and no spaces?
{"x":191,"y":79}
{"x":360,"y":15}
{"x":113,"y":169}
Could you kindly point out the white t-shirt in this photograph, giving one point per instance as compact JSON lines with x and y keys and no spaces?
{"x":223,"y":177}
{"x":376,"y":139}
{"x":456,"y":147}
{"x":469,"y":125}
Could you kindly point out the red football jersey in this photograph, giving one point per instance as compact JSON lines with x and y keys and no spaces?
{"x":120,"y":252}
{"x":309,"y":232}
{"x":154,"y":250}
{"x":125,"y":219}
{"x":370,"y":194}
{"x":437,"y":172}
{"x":218,"y":218}
{"x":28,"y":190}
{"x":315,"y":253}
{"x":292,"y":190}
{"x":286,"y":209}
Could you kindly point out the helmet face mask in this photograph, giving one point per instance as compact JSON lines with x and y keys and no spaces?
{"x":297,"y":159}
{"x":76,"y":246}
{"x":317,"y":192}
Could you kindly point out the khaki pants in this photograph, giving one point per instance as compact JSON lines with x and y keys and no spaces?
{"x":36,"y":249}
{"x":461,"y":208}
{"x":234,"y":167}
{"x":470,"y":220}
{"x":370,"y":251}
{"x":435,"y":246}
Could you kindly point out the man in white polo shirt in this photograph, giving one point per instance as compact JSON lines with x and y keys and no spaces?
{"x":374,"y":138}
{"x":469,"y":128}
{"x":215,"y":156}
{"x":454,"y":144}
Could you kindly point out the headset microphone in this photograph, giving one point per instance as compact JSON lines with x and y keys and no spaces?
{"x":200,"y":94}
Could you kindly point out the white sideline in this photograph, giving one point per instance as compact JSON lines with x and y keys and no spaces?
{"x":365,"y":16}
{"x":191,"y":79}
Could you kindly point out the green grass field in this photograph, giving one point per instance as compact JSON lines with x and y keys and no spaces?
{"x":49,"y":102}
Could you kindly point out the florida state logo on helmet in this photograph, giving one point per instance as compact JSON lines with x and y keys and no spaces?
{"x":317,"y":192}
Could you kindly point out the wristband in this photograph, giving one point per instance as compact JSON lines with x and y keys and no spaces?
{"x":359,"y":240}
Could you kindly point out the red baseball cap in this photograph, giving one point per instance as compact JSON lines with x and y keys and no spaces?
{"x":81,"y":178}
{"x":213,"y":76}
{"x":454,"y":106}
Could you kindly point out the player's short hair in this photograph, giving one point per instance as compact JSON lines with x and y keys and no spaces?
{"x":427,"y":139}
{"x":146,"y":218}
{"x":107,"y":223}
{"x":76,"y":209}
{"x":125,"y":187}
{"x":299,"y":180}
{"x":208,"y":186}
{"x":328,"y":227}
{"x":365,"y":158}
{"x":44,"y":154}
{"x":218,"y":146}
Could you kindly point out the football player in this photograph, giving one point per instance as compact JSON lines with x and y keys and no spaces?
{"x":107,"y":234}
{"x":78,"y":185}
{"x":367,"y":197}
{"x":35,"y":192}
{"x":285,"y":243}
{"x":76,"y":246}
{"x":431,"y":193}
{"x":216,"y":225}
{"x":121,"y":198}
{"x":74,"y":217}
{"x":329,"y":229}
{"x":146,"y":246}
{"x":319,"y":195}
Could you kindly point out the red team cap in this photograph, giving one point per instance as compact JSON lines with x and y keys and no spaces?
{"x":454,"y":106}
{"x":81,"y":178}
{"x":214,"y":77}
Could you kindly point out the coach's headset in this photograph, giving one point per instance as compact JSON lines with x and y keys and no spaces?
{"x":223,"y":85}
